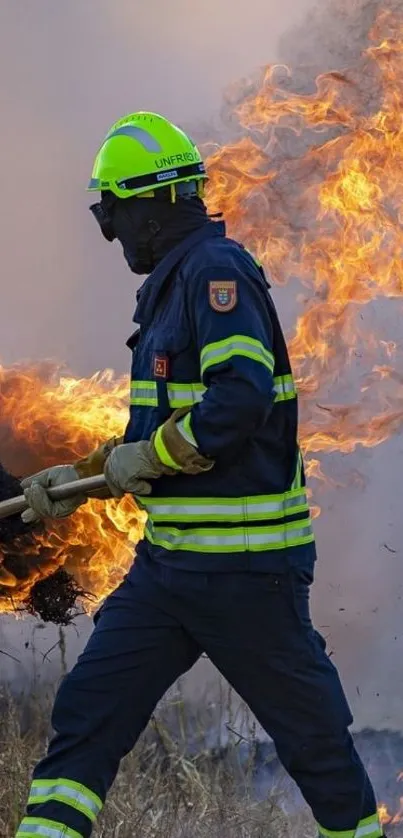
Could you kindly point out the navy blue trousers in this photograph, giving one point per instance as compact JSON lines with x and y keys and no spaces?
{"x":256,"y":629}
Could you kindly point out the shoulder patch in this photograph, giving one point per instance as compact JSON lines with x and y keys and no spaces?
{"x":223,"y":295}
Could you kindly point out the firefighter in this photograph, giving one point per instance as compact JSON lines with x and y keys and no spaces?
{"x":211,"y":453}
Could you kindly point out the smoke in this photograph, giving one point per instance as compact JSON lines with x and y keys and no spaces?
{"x":358,"y":595}
{"x":67,"y":71}
{"x":66,"y":74}
{"x":332,"y":35}
{"x":357,"y":599}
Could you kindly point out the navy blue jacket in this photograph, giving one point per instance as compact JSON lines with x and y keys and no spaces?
{"x":210,"y":339}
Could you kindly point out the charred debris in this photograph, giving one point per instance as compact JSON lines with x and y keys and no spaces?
{"x":53,"y":597}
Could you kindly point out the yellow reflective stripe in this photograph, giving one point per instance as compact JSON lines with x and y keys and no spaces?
{"x":185,"y":429}
{"x":162,"y":451}
{"x":69,"y":792}
{"x":145,"y":393}
{"x":181,"y":395}
{"x":296,"y":483}
{"x":284,"y":387}
{"x":32,"y":827}
{"x":183,"y":386}
{"x":255,"y":508}
{"x":257,"y":261}
{"x":367,"y":828}
{"x":222,"y":350}
{"x":231,"y":540}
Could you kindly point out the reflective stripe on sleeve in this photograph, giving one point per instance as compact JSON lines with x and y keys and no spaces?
{"x":145,"y":394}
{"x":222,"y":350}
{"x":297,"y":482}
{"x":181,"y":395}
{"x":284,"y":388}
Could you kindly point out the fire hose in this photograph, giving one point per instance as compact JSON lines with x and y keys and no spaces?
{"x":13,"y":506}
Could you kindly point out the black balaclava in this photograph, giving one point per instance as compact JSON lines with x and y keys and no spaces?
{"x":148,"y":228}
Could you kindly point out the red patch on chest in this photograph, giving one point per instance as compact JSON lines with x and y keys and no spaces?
{"x":161,"y":366}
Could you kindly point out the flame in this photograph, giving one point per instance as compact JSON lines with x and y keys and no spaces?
{"x":313,"y":186}
{"x":385,"y":817}
{"x":48,"y":418}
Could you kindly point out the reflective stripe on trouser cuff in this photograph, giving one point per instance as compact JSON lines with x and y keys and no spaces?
{"x":145,"y":394}
{"x":367,"y":828}
{"x":69,"y":792}
{"x":234,"y":540}
{"x":284,"y":388}
{"x":257,"y":508}
{"x":222,"y":350}
{"x":185,"y":429}
{"x":43,"y":828}
{"x":162,"y":451}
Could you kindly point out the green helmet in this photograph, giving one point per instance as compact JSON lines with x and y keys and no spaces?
{"x":142,"y":152}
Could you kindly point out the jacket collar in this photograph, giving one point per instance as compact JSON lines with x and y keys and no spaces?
{"x":150,"y":290}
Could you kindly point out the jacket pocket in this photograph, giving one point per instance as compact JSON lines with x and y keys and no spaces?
{"x":172,"y":340}
{"x":176,"y":345}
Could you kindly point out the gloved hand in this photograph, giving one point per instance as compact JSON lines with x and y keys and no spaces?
{"x":40,"y":504}
{"x":129,"y":466}
{"x":173,"y":449}
{"x":94,"y":464}
{"x":35,"y":487}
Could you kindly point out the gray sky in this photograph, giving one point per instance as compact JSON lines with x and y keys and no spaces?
{"x":67,"y":71}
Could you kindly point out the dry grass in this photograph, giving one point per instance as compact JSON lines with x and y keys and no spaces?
{"x":160,"y":792}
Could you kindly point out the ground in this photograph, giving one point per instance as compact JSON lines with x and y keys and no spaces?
{"x":161,"y":791}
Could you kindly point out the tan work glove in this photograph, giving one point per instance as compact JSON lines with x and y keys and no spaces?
{"x":167,"y":440}
{"x":40,"y":504}
{"x":35,"y":487}
{"x":94,"y":464}
{"x":130,"y":466}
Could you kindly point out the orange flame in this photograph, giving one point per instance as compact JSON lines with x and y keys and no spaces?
{"x":387,"y":819}
{"x":314,"y":187}
{"x":328,"y":212}
{"x":50,"y":418}
{"x":385,"y":816}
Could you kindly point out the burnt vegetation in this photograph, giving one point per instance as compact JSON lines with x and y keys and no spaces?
{"x":191,"y":775}
{"x":54,"y":596}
